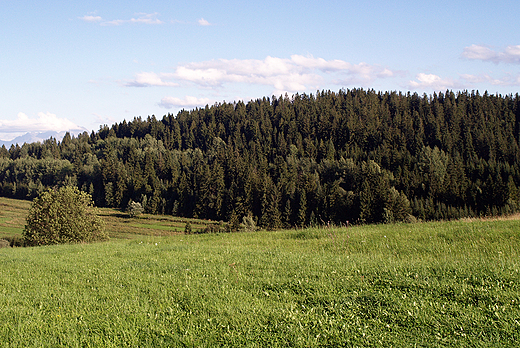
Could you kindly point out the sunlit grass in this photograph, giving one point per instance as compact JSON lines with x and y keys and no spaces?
{"x":119,"y":225}
{"x":428,"y":284}
{"x":12,"y":216}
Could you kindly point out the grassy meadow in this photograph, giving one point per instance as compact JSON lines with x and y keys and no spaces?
{"x":438,"y":284}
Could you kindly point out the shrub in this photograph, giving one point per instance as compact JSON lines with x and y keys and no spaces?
{"x":187,"y":228}
{"x":64,"y":215}
{"x":248,"y":224}
{"x":15,"y":241}
{"x":217,"y":228}
{"x":134,"y":209}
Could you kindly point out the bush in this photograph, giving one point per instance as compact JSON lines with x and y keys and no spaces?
{"x":64,"y":215}
{"x":217,"y":228}
{"x":248,"y":224}
{"x":15,"y":241}
{"x":134,"y":209}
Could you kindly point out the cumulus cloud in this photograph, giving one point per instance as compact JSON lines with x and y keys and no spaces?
{"x":511,"y":54}
{"x":90,"y":18}
{"x":320,"y":63}
{"x":282,"y":74}
{"x":146,"y":79}
{"x":434,"y":82}
{"x":298,"y":73}
{"x":203,"y":22}
{"x":187,"y":102}
{"x":43,"y":123}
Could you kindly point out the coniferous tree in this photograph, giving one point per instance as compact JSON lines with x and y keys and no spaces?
{"x":353,"y":155}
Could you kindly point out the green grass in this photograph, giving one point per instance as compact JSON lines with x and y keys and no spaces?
{"x":12,"y":216}
{"x":121,"y":226}
{"x":443,"y":284}
{"x":118,"y":224}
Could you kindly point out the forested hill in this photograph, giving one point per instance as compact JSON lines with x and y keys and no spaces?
{"x":352,"y":155}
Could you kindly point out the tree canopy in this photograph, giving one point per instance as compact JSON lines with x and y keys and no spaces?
{"x":341,"y":157}
{"x":64,"y":215}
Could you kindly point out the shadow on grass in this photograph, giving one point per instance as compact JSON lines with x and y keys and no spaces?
{"x":118,"y":215}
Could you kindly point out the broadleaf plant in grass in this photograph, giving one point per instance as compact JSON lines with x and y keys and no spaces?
{"x":63,"y":215}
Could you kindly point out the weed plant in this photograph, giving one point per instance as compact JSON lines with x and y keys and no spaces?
{"x":443,"y":284}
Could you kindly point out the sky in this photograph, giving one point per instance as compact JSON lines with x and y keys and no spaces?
{"x":77,"y":65}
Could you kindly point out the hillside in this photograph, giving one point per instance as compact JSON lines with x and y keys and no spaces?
{"x":352,"y":156}
{"x":119,"y":225}
{"x":446,"y":284}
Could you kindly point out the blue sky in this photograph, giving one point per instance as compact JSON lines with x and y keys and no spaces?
{"x":68,"y":65}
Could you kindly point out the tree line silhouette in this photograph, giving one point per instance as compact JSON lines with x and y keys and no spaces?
{"x":357,"y":156}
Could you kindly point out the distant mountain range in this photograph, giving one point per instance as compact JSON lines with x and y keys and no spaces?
{"x":33,"y":137}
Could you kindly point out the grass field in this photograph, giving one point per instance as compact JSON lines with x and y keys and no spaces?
{"x":443,"y":284}
{"x":118,"y":224}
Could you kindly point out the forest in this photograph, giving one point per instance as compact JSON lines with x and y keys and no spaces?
{"x":348,"y":157}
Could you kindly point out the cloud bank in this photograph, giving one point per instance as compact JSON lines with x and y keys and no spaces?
{"x":43,"y":123}
{"x":304,"y":73}
{"x":508,"y":80}
{"x":186,"y":102}
{"x":510,"y":55}
{"x":293,"y":74}
{"x":147,"y":79}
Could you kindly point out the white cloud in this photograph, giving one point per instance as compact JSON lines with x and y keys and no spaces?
{"x":187,"y":102}
{"x":142,"y":18}
{"x":146,"y":18}
{"x":386,"y":73}
{"x":434,"y":82}
{"x":475,"y":79}
{"x":476,"y":52}
{"x":510,"y":55}
{"x":281,"y":74}
{"x":203,"y":22}
{"x":320,"y":63}
{"x":298,"y":73}
{"x":508,"y":80}
{"x":146,"y":79}
{"x":43,"y":123}
{"x":89,"y":18}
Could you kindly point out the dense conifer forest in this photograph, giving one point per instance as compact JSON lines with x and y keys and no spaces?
{"x":352,"y":156}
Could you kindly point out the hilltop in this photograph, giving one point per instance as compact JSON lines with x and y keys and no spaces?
{"x":352,"y":156}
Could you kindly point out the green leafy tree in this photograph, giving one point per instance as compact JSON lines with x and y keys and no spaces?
{"x":397,"y":206}
{"x":64,"y":215}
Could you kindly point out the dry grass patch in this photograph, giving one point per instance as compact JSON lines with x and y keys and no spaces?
{"x":511,"y":217}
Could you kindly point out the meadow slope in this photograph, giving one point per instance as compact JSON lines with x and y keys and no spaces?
{"x":426,"y":284}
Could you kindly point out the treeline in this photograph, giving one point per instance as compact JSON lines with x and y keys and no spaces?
{"x":353,"y":156}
